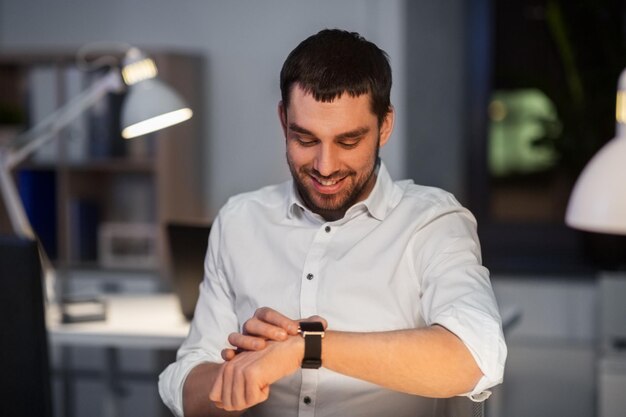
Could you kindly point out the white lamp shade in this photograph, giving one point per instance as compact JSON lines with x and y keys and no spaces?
{"x":151,"y":105}
{"x":598,"y":201}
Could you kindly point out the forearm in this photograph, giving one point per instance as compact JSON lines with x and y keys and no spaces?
{"x":196,"y":402}
{"x":431,"y":362}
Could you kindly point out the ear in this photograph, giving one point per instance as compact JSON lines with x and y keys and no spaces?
{"x":387,"y":126}
{"x":282,"y":116}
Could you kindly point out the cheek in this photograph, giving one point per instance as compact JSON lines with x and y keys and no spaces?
{"x":362,"y":159}
{"x":298,"y":156}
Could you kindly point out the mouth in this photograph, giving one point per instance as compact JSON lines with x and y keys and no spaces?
{"x":327,"y":186}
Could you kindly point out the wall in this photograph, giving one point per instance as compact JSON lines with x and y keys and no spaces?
{"x":244,"y":44}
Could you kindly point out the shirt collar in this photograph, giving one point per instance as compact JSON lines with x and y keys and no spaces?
{"x":380,"y":200}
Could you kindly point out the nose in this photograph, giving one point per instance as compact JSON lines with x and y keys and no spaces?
{"x":326,"y":161}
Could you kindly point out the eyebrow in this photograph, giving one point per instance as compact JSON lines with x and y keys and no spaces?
{"x":352,"y":134}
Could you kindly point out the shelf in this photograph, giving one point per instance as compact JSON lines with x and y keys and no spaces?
{"x":113,"y":165}
{"x":90,"y":176}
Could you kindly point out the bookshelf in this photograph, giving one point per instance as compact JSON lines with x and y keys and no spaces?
{"x":91,"y":184}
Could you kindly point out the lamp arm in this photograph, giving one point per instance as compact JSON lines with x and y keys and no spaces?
{"x":30,"y":141}
{"x":13,"y":205}
{"x":23,"y":145}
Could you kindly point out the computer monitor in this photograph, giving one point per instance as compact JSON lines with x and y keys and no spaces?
{"x":24,"y":363}
{"x":187,"y":248}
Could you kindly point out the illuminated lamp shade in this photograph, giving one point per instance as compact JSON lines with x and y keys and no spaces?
{"x":149,"y":105}
{"x":598,"y":200}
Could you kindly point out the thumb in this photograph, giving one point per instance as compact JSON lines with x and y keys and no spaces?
{"x":318,"y":318}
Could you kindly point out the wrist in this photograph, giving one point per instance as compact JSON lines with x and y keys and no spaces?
{"x":296,"y":349}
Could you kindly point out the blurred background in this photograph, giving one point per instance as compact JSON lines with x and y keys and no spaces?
{"x":501,"y":103}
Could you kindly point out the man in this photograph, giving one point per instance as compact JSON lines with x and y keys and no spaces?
{"x":388,"y":273}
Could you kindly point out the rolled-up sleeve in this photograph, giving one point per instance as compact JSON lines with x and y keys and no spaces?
{"x":214,"y":319}
{"x":456,"y":292}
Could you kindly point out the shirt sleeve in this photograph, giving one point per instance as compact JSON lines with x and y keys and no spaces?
{"x":214,"y":319}
{"x":457,"y":294}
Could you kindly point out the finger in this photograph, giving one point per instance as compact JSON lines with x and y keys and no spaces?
{"x":227,"y":386}
{"x":238,"y":397}
{"x":215,"y":394}
{"x":228,"y":354}
{"x":272,"y":316}
{"x":246,"y":342}
{"x":320,"y":319}
{"x":259,"y":328}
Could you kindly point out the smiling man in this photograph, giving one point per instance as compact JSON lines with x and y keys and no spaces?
{"x":332,"y":149}
{"x":339,"y":292}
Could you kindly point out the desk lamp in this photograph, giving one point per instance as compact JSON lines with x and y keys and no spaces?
{"x":149,"y":105}
{"x":598,"y":200}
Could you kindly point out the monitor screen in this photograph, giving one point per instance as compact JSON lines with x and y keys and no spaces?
{"x":25,"y":376}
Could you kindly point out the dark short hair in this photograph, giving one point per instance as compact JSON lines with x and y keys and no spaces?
{"x":333,"y":62}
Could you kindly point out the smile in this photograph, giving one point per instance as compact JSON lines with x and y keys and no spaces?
{"x":328,"y":182}
{"x":327,"y":186}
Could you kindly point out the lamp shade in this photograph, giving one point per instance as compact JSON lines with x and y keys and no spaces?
{"x":151,"y":105}
{"x":598,"y":201}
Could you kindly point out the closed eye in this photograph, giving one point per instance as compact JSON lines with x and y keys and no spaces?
{"x":349,"y":143}
{"x":305,"y":141}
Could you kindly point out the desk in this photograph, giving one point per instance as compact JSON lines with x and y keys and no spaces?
{"x":146,"y":321}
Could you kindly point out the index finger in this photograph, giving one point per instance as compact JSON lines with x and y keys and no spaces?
{"x":215,"y":394}
{"x":273,"y":317}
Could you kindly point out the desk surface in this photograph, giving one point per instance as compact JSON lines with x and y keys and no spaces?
{"x":147,"y":321}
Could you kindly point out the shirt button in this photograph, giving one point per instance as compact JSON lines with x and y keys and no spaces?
{"x":309,"y":276}
{"x":307,"y":400}
{"x":327,"y":229}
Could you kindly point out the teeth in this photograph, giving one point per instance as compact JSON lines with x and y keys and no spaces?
{"x":327,"y":182}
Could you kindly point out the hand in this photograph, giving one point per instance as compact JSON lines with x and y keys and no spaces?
{"x":266,"y":324}
{"x":245,"y":380}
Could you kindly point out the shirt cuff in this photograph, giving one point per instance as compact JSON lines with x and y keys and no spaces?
{"x":172,"y":381}
{"x":483,"y":337}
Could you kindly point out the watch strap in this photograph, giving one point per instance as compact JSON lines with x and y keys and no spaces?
{"x":312,"y":332}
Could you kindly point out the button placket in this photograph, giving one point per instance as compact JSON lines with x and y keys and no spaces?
{"x":311,"y":275}
{"x":311,"y":272}
{"x":308,"y":393}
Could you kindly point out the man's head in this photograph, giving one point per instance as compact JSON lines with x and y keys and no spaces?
{"x":333,"y":62}
{"x":335,"y":114}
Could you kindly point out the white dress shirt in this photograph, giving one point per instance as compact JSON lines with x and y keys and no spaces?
{"x":406,"y":257}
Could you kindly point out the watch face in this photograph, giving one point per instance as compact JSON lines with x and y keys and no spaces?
{"x":311,"y":326}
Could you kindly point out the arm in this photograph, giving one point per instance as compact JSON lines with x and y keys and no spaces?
{"x":195,"y":392}
{"x":430,"y":361}
{"x":266,"y":359}
{"x":245,"y":380}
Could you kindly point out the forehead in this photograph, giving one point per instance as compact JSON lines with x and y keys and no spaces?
{"x":343,"y":109}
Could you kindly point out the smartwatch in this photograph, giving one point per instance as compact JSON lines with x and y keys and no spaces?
{"x":312,"y":332}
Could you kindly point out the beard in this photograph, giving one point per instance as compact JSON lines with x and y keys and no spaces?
{"x":333,"y":206}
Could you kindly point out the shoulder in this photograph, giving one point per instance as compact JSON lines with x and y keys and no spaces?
{"x":271,"y":198}
{"x":423,"y":196}
{"x":428,"y":203}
